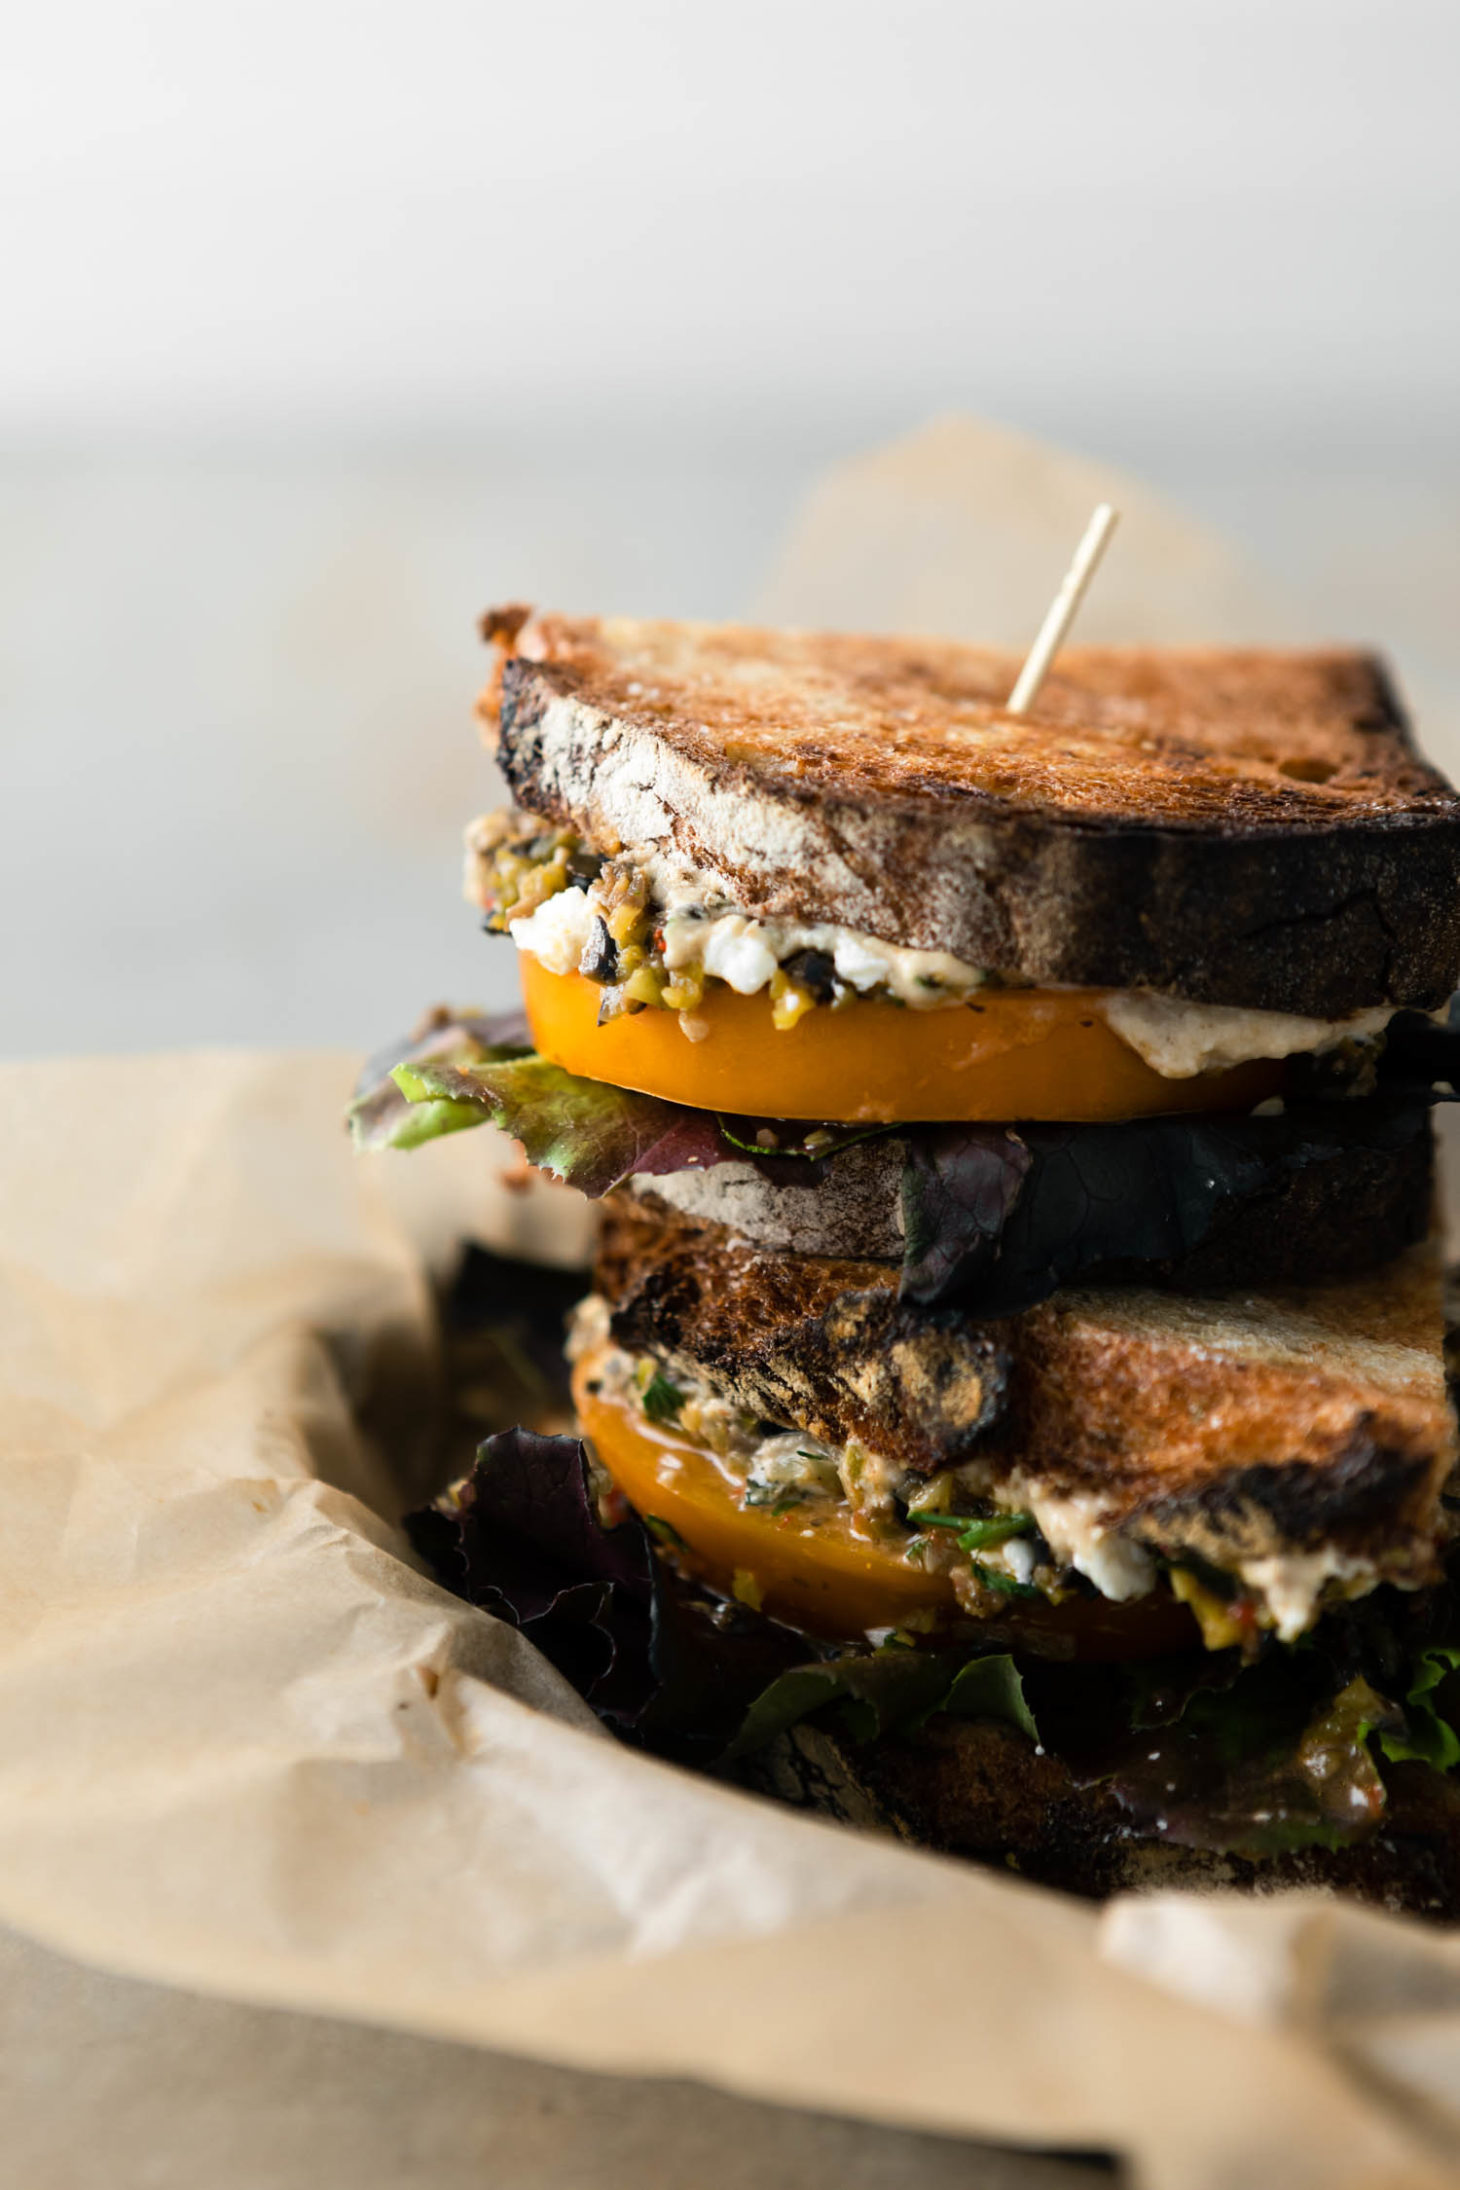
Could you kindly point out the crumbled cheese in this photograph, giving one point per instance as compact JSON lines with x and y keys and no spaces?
{"x":587,"y":1327}
{"x":745,"y":953}
{"x":1119,"y":1567}
{"x":1021,"y":1558}
{"x":790,"y":1464}
{"x":735,"y":951}
{"x":859,"y":962}
{"x":557,"y":933}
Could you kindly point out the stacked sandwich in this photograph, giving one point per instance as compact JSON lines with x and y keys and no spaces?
{"x":1016,"y":1291}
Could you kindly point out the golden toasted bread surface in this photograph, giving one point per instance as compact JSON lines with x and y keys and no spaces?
{"x":1201,"y":737}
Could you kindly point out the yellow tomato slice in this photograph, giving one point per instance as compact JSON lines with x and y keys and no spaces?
{"x":808,"y":1565}
{"x":1009,"y":1054}
{"x":814,"y":1567}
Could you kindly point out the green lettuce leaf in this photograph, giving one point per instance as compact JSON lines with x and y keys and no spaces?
{"x":382,"y":1115}
{"x":894,"y":1690}
{"x":425,"y":1119}
{"x":990,"y":1688}
{"x":1429,"y":1736}
{"x":462,"y":1071}
{"x":583,"y":1131}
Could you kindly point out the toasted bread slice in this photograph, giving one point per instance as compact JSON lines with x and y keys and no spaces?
{"x":1233,"y":827}
{"x":1293,"y":1436}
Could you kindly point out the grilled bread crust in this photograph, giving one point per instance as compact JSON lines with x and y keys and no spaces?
{"x":1228,"y":1427}
{"x":1233,"y":827}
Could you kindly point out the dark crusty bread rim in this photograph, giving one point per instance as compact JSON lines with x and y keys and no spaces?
{"x":1280,"y":895}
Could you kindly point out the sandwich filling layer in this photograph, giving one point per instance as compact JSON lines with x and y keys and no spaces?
{"x":1281,"y":1452}
{"x":974,"y":1550}
{"x":844,"y":1541}
{"x":652,"y":935}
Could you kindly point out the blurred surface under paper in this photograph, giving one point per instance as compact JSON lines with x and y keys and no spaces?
{"x":965,"y":529}
{"x":108,"y":2084}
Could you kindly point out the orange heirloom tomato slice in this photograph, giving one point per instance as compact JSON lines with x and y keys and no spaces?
{"x":1007,"y":1054}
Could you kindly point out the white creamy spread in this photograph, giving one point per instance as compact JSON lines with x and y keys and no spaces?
{"x":1290,"y":1585}
{"x":1178,"y":1039}
{"x":1175,"y":1038}
{"x":1119,"y":1567}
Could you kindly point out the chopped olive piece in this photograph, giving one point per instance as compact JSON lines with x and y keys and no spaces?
{"x":814,"y":971}
{"x":600,"y":959}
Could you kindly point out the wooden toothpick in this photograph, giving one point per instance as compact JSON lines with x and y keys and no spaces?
{"x":1062,"y":609}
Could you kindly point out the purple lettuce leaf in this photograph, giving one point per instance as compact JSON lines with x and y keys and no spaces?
{"x":960,"y":1185}
{"x":996,"y":1219}
{"x":664,"y":1664}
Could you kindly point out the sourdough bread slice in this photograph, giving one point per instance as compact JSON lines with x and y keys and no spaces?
{"x":1240,"y":827}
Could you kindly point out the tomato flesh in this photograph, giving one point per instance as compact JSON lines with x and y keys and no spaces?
{"x":1007,"y":1054}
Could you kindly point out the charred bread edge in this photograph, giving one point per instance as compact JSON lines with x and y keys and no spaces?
{"x":1334,"y":917}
